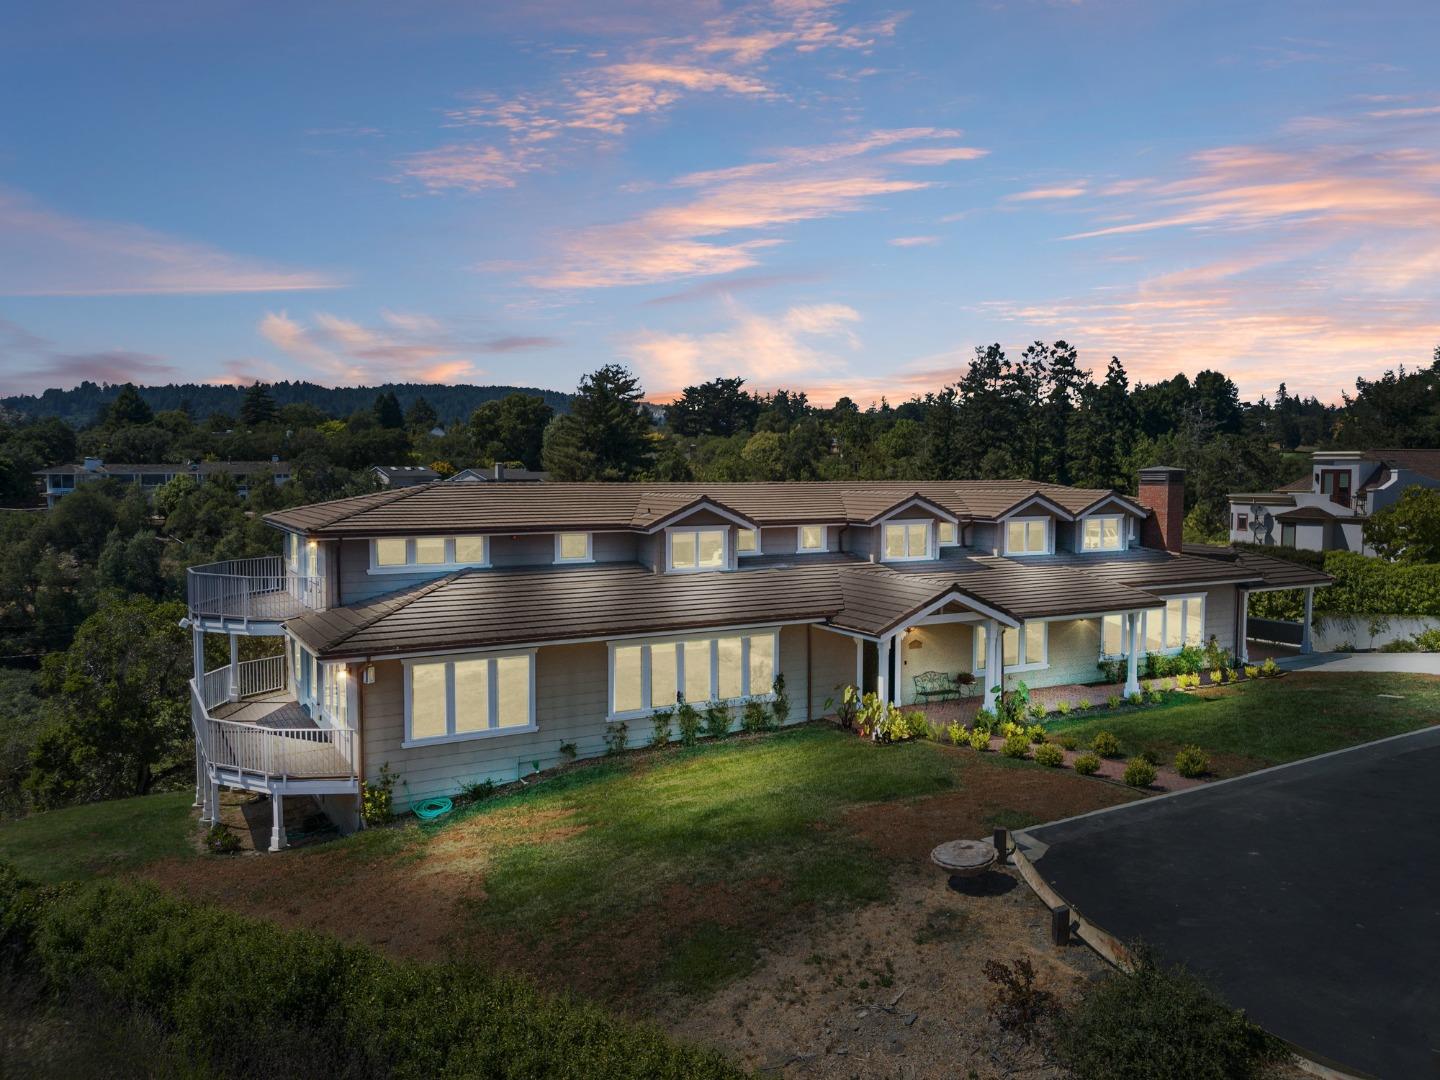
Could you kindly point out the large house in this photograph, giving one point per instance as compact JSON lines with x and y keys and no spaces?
{"x":1325,"y":510}
{"x":60,"y":480}
{"x":463,"y":632}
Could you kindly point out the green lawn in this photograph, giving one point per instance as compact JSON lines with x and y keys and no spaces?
{"x":99,"y":838}
{"x":1250,"y":725}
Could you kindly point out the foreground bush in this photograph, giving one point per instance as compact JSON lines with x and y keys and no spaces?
{"x":1155,"y":1022}
{"x":240,"y":998}
{"x":1139,"y":772}
{"x":1192,"y":762}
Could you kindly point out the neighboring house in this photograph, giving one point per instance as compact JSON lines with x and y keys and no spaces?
{"x":403,"y":476}
{"x":508,"y":473}
{"x":60,"y":480}
{"x":463,"y":632}
{"x":1325,"y":510}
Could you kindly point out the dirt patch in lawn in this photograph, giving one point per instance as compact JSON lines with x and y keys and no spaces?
{"x":989,"y":794}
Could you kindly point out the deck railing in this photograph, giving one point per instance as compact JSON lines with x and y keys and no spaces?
{"x":245,"y":589}
{"x":280,"y":753}
{"x":263,"y":676}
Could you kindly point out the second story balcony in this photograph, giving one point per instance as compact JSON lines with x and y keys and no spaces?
{"x":238,"y":594}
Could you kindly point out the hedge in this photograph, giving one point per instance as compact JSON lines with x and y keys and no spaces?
{"x":238,"y":997}
{"x":1363,"y":586}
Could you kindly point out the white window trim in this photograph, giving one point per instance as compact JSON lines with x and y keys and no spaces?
{"x":589,"y":555}
{"x":904,"y":523}
{"x":1164,"y":613}
{"x":410,"y":566}
{"x":492,"y":685}
{"x":824,"y":540}
{"x":977,"y":659}
{"x":759,"y":542}
{"x":939,"y":543}
{"x":1122,"y":530}
{"x":671,"y":568}
{"x":647,"y":644}
{"x":1049,"y":536}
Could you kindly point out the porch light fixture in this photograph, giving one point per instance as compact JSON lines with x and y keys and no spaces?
{"x":367,"y":676}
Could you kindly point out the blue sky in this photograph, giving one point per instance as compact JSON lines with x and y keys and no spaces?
{"x":837,"y":197}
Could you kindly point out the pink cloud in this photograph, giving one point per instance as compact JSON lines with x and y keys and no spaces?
{"x":1057,"y":191}
{"x":914,"y":241}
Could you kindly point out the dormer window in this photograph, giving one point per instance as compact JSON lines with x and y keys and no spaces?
{"x":1102,"y":533}
{"x":747,"y":542}
{"x":573,"y":547}
{"x":906,"y":541}
{"x":399,"y":554}
{"x":947,"y":533}
{"x":810,"y":538}
{"x":1027,"y":536}
{"x":696,"y":549}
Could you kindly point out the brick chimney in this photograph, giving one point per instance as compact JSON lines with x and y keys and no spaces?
{"x":1162,"y":489}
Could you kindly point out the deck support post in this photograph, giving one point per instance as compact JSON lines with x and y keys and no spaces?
{"x":1306,"y":645}
{"x":1242,"y":648}
{"x":994,"y":663}
{"x":212,"y":812}
{"x":199,"y":778}
{"x":1132,"y":659}
{"x":234,"y":667}
{"x":277,"y":827}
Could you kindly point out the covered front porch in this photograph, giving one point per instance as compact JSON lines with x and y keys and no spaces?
{"x":252,"y":734}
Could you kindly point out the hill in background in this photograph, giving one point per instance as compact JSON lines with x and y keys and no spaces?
{"x":81,"y":405}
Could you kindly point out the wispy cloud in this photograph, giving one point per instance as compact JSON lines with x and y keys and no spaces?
{"x":47,"y":253}
{"x":914,"y":241}
{"x":729,"y":286}
{"x":402,"y":345}
{"x":734,"y":215}
{"x":1072,"y":190}
{"x":32,"y":363}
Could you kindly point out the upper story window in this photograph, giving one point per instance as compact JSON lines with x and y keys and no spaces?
{"x":1336,"y":484}
{"x":696,"y":549}
{"x":906,"y":540}
{"x":747,"y":541}
{"x":1027,"y":536}
{"x":399,"y":554}
{"x":1102,"y":533}
{"x":469,"y":697}
{"x":947,"y":533}
{"x":810,"y":538}
{"x":1023,"y":649}
{"x":573,"y":547}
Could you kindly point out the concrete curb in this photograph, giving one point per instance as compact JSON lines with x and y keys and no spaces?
{"x":1113,"y":951}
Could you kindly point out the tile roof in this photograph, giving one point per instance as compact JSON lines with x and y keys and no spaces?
{"x":481,"y":507}
{"x":531,"y":605}
{"x":1424,"y":462}
{"x":1275,"y":572}
{"x":1306,"y":513}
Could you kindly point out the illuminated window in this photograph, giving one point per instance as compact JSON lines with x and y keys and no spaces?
{"x":724,"y":668}
{"x":747,"y":541}
{"x":697,"y":549}
{"x":572,"y":547}
{"x":948,"y":533}
{"x":1101,"y":534}
{"x":810,"y":538}
{"x":906,"y":540}
{"x":469,"y":697}
{"x":1023,"y":649}
{"x":1027,"y":536}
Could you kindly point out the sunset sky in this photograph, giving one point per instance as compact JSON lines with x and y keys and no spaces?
{"x":836,"y":197}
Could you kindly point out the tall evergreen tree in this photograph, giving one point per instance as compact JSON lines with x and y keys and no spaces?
{"x":128,"y":408}
{"x":421,"y":416}
{"x":387,"y":411}
{"x":257,"y":407}
{"x":607,"y":433}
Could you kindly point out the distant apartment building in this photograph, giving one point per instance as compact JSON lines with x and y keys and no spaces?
{"x":60,"y":480}
{"x":1326,"y":509}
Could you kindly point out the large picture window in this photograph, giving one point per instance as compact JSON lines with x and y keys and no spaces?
{"x":653,"y":674}
{"x":1027,"y":536}
{"x":469,"y":697}
{"x":696,"y":549}
{"x":1181,"y":622}
{"x":400,"y":554}
{"x":1102,"y":533}
{"x":1023,"y":649}
{"x":906,"y":540}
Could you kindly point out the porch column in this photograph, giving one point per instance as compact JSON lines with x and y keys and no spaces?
{"x":1305,"y":644}
{"x":994,"y":673}
{"x":234,"y":667}
{"x":860,"y":665}
{"x":277,"y":827}
{"x":197,"y":651}
{"x":1132,"y":660}
{"x":882,"y":673}
{"x":897,"y":689}
{"x":1242,"y":650}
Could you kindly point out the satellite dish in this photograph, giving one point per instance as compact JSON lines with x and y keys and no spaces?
{"x":1257,"y":522}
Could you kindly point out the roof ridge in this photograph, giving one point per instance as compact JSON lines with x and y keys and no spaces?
{"x":380,"y":500}
{"x":383,"y":612}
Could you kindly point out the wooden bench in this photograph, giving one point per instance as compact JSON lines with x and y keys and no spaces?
{"x":937,"y":685}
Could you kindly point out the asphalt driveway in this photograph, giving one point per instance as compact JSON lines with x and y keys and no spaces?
{"x":1308,"y":895}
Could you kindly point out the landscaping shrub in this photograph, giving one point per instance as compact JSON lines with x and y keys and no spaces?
{"x":755,"y":717}
{"x":1083,"y":704}
{"x":1114,"y":701}
{"x":1015,"y":705}
{"x":1112,"y":671}
{"x":1049,"y":754}
{"x":984,"y":721}
{"x":1426,"y":641}
{"x":1063,"y":708}
{"x":1139,"y":772}
{"x":661,"y":720}
{"x":1136,"y":698}
{"x":1216,"y":676}
{"x":234,"y":997}
{"x":617,"y":735}
{"x":847,"y":708}
{"x":956,"y":733}
{"x":1192,"y":762}
{"x":1155,"y":697}
{"x":1105,"y":744}
{"x":717,"y":720}
{"x":687,"y":721}
{"x":1038,"y":710}
{"x":1007,"y":729}
{"x":377,"y":799}
{"x":1087,"y":764}
{"x":1155,"y":1022}
{"x":1016,"y":746}
{"x":1149,"y":755}
{"x":897,"y":726}
{"x":478,"y":790}
{"x":1017,"y":1004}
{"x":979,"y":739}
{"x":1067,"y":740}
{"x":1269,"y":668}
{"x":780,"y":704}
{"x":1036,"y":733}
{"x":221,"y":840}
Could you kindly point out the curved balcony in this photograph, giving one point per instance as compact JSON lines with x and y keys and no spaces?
{"x":240,"y":592}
